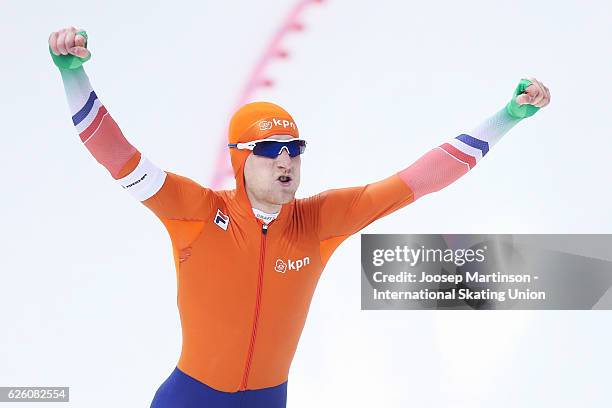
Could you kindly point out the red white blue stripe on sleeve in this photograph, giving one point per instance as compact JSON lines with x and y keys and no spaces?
{"x":89,"y":119}
{"x":98,"y":131}
{"x":470,"y":148}
{"x":86,"y":109}
{"x":91,"y":112}
{"x":443,"y":165}
{"x":466,"y":149}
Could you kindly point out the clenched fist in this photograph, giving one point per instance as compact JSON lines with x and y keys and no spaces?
{"x":529,"y":96}
{"x":535,"y":94}
{"x":68,"y":48}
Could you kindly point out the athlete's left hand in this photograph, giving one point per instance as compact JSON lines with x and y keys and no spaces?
{"x":535,"y":94}
{"x":529,"y":96}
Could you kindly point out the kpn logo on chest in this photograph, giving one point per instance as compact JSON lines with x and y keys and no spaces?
{"x":283,"y":266}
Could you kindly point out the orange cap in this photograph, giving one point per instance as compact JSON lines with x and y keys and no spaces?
{"x":254,"y":121}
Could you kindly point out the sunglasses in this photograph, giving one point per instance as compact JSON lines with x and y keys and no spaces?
{"x":272,"y":148}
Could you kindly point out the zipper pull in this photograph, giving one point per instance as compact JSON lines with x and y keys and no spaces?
{"x":264,"y":228}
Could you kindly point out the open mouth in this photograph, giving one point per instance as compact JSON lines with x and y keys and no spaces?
{"x":284,"y":180}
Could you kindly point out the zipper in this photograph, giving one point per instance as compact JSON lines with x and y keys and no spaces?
{"x":262,"y":252}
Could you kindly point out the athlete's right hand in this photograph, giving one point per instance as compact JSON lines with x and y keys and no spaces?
{"x":66,"y":41}
{"x":68,"y":48}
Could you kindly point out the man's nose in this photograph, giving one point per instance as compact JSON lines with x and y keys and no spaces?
{"x":283,"y":159}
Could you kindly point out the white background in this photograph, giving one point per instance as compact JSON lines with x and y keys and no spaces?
{"x":87,"y":285}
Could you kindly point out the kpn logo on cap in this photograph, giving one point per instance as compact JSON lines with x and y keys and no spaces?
{"x":267,"y":124}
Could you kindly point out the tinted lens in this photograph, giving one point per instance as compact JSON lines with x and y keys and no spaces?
{"x":296,"y":147}
{"x":267,"y":149}
{"x":273,"y":148}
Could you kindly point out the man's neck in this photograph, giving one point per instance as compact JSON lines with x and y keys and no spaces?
{"x":262,"y":206}
{"x":268,"y":209}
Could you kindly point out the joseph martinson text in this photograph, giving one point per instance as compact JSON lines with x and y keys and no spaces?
{"x":456,"y":293}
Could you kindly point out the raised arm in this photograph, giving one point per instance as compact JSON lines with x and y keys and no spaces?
{"x":345,"y":211}
{"x":446,"y":163}
{"x":168,"y":195}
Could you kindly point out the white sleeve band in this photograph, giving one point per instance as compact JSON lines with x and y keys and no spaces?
{"x":144,"y":181}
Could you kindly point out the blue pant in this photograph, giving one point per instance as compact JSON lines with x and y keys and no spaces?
{"x":182,"y":391}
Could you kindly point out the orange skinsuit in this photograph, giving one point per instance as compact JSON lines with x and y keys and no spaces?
{"x":244,"y":287}
{"x":244,"y":293}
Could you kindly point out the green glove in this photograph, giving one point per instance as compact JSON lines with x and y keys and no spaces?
{"x":70,"y":61}
{"x":521,"y":111}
